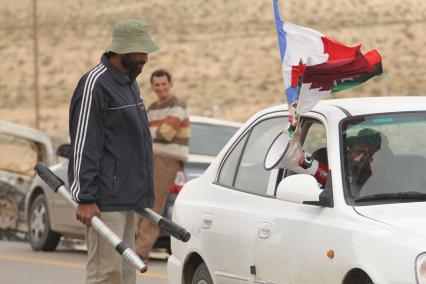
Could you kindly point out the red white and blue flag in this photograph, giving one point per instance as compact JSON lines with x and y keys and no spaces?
{"x":314,"y":65}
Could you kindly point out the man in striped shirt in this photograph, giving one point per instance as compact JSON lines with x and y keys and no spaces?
{"x":170,"y":132}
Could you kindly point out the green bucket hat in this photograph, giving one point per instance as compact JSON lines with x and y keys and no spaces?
{"x":368,"y":136}
{"x":130,"y":36}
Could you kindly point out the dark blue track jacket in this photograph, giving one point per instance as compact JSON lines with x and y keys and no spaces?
{"x":111,"y":159}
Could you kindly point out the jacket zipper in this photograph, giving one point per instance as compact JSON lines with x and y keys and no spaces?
{"x":115,"y":177}
{"x":143,"y":128}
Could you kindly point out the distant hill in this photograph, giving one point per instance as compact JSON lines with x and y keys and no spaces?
{"x":223,"y":54}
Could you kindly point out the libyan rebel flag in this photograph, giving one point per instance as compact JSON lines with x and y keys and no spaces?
{"x":315,"y":65}
{"x":332,"y":76}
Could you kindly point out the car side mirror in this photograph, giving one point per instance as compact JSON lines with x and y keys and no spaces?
{"x":303,"y":189}
{"x":64,"y":150}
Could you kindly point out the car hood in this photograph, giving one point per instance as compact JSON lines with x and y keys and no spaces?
{"x":407,"y":216}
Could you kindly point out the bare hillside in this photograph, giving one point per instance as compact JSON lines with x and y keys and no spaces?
{"x":224,"y":54}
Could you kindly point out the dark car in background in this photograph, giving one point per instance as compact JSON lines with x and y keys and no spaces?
{"x":49,"y":216}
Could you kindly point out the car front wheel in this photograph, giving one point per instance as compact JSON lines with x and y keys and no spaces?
{"x":202,"y":275}
{"x":40,"y":235}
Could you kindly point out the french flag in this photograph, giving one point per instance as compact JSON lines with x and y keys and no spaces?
{"x":314,"y":65}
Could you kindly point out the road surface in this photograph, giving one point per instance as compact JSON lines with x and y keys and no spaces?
{"x":19,"y":264}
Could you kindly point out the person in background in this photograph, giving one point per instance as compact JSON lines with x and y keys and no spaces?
{"x":110,"y":169}
{"x":170,"y":131}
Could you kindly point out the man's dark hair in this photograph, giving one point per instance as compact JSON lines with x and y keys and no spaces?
{"x":109,"y":54}
{"x":161,"y":73}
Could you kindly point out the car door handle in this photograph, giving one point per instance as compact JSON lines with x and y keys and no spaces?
{"x":265,"y":230}
{"x":207,"y":220}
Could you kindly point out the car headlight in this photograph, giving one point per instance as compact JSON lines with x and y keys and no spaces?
{"x":421,"y":268}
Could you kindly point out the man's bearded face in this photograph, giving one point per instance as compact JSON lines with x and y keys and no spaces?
{"x":359,"y":161}
{"x":134,"y":62}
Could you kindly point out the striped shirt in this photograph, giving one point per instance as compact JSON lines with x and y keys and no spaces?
{"x":169,"y":127}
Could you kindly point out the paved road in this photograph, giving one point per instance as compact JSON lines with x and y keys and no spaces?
{"x":19,"y":264}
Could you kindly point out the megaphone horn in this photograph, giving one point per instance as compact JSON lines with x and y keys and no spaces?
{"x":287,"y":153}
{"x":277,"y":151}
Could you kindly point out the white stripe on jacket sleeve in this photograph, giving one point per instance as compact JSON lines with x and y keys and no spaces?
{"x":82,"y":126}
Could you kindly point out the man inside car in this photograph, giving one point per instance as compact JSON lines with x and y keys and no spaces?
{"x":360,"y":151}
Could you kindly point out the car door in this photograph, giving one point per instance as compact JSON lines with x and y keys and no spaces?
{"x":62,"y":215}
{"x":229,"y":226}
{"x":295,"y":248}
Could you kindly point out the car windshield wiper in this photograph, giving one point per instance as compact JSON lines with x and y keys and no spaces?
{"x":409,"y":195}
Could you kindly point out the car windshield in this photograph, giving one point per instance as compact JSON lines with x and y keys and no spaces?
{"x":384,"y":158}
{"x":208,"y":139}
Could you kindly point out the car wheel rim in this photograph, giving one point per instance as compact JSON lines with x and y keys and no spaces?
{"x":38,"y":222}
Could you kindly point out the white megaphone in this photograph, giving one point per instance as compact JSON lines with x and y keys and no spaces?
{"x":286,"y":152}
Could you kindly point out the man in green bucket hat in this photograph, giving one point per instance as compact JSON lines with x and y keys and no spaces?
{"x":110,"y":169}
{"x":360,"y":151}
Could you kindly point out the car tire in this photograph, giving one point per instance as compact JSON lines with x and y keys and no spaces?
{"x":359,"y":277}
{"x":202,"y":275}
{"x":40,"y":236}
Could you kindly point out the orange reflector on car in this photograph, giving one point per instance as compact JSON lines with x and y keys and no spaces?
{"x":330,"y":254}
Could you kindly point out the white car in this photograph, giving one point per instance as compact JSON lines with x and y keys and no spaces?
{"x":250,"y":225}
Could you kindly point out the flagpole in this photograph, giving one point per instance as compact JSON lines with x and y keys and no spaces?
{"x":36,"y":80}
{"x":292,"y":108}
